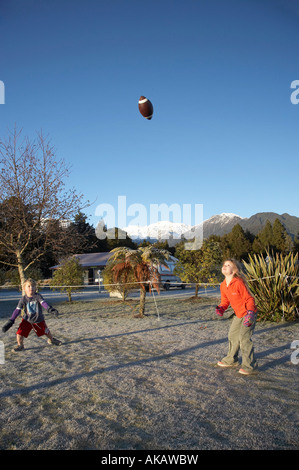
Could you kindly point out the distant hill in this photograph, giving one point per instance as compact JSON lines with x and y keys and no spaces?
{"x":220,"y":225}
{"x":256,"y":222}
{"x":223,"y":223}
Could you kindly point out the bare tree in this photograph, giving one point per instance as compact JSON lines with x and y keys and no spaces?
{"x":34,"y":201}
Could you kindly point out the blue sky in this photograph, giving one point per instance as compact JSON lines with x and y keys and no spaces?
{"x":224,"y":132}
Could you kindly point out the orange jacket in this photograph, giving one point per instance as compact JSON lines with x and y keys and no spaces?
{"x":237,"y":296}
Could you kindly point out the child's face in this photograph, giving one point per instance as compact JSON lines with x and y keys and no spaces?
{"x":29,"y":289}
{"x":227,"y":268}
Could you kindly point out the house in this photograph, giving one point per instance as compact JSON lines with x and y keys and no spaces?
{"x":92,"y":264}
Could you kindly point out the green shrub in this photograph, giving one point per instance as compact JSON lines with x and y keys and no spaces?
{"x":68,"y":278}
{"x":274,"y":283}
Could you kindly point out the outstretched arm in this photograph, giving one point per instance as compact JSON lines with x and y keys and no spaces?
{"x":11,"y":321}
{"x":48,"y":307}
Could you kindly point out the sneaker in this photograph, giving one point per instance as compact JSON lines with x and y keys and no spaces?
{"x":222,"y":364}
{"x":245,"y":372}
{"x":54,"y":341}
{"x":18,"y":348}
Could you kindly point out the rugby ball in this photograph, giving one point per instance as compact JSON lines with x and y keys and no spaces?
{"x":145,"y":107}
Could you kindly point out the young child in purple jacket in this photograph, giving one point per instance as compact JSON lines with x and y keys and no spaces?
{"x":33,"y":318}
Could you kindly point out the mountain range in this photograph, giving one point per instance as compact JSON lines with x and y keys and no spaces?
{"x":220,"y":225}
{"x":158,"y":231}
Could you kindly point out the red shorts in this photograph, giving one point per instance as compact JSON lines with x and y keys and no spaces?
{"x":25,"y":327}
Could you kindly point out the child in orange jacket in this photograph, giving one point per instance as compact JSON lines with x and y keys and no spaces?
{"x":234,"y":292}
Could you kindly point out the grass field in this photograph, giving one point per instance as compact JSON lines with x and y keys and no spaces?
{"x":119,"y":382}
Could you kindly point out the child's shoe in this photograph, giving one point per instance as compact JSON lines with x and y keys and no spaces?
{"x":54,"y":341}
{"x":247,"y":372}
{"x":18,"y":348}
{"x":222,"y":364}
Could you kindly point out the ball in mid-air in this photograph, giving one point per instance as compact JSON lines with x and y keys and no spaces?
{"x":145,"y":107}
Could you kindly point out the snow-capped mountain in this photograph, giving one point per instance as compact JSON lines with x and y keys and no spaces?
{"x":157,"y":231}
{"x":222,"y":223}
{"x":223,"y":219}
{"x":219,"y":224}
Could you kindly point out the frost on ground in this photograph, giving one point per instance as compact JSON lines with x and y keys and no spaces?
{"x":119,"y":382}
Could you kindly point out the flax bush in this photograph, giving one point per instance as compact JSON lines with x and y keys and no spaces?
{"x":274,"y":283}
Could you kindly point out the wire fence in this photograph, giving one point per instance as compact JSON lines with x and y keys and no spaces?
{"x":102,"y":287}
{"x":118,"y":284}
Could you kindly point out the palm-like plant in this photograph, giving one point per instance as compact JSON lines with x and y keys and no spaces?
{"x":274,"y":283}
{"x":143,"y":262}
{"x":126,"y":283}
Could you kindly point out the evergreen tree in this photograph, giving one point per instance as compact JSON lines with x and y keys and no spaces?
{"x":238,"y":243}
{"x":116,"y":241}
{"x":281,"y":241}
{"x":273,"y":238}
{"x":164,"y":245}
{"x":296,"y":244}
{"x":90,"y":244}
{"x":264,"y":239}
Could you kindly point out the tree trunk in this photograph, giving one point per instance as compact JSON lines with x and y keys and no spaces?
{"x":21,"y":269}
{"x":141,"y":304}
{"x":196,"y":291}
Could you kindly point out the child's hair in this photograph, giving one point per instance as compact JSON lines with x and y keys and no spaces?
{"x":238,"y":268}
{"x":30,"y":281}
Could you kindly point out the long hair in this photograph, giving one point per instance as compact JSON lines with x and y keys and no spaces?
{"x":238,"y":269}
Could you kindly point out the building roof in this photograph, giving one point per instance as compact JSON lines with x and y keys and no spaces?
{"x":95,"y":260}
{"x":89,"y":260}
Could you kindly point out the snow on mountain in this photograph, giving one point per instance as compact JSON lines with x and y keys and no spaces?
{"x":162,"y":230}
{"x":165,"y":230}
{"x":219,"y":224}
{"x":223,"y":218}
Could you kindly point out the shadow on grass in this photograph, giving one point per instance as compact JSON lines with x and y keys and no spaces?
{"x":141,"y":362}
{"x":135,"y":332}
{"x":101,"y":370}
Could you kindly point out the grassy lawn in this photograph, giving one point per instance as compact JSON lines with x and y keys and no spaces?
{"x":119,"y":382}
